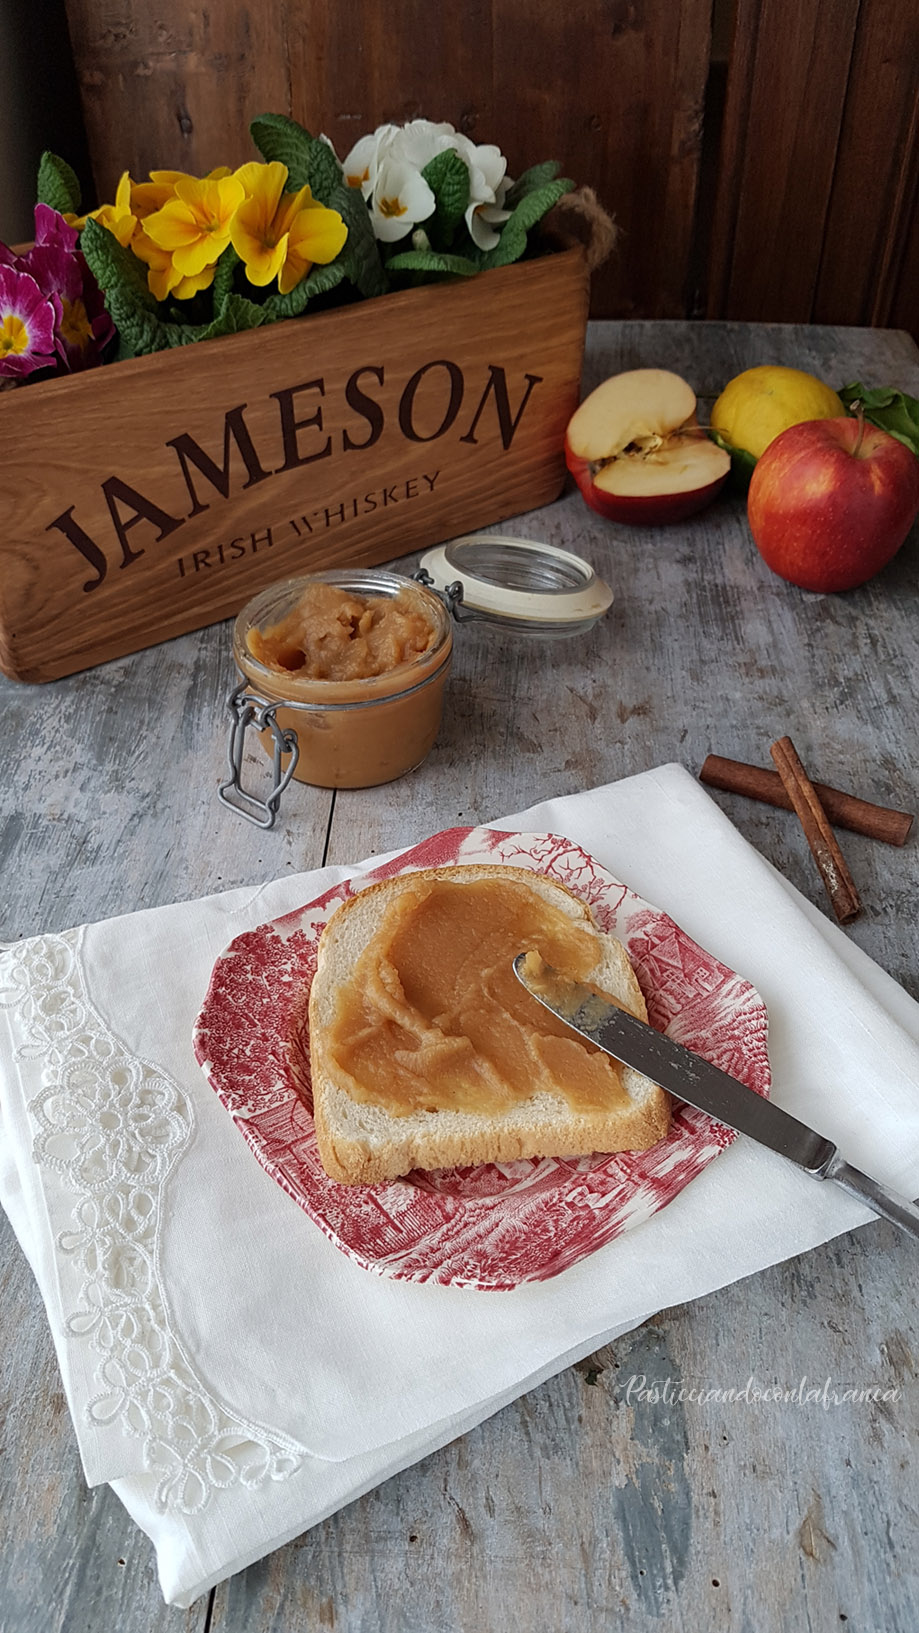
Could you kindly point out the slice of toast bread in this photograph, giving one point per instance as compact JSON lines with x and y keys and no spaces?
{"x":362,"y":1143}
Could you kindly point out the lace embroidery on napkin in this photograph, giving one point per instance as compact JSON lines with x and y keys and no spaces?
{"x":114,"y":1127}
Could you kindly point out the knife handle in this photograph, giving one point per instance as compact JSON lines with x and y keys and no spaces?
{"x":877,"y":1196}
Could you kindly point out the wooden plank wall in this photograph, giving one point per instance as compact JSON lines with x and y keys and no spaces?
{"x":778,"y":186}
{"x":819,"y":165}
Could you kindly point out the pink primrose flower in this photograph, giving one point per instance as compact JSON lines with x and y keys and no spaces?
{"x":82,"y":325}
{"x":27,"y":323}
{"x":51,"y":228}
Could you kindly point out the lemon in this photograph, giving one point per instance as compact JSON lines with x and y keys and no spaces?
{"x":757,"y":405}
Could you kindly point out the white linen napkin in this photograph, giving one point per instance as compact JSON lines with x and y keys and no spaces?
{"x":230,"y":1372}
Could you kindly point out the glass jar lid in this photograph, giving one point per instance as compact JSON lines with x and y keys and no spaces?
{"x":522,"y":585}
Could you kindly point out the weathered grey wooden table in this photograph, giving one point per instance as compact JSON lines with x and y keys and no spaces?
{"x":575,"y":1508}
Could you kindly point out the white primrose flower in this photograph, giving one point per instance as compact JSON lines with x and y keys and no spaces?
{"x":489,"y":184}
{"x":420,"y":141}
{"x":401,"y":198}
{"x":486,"y":164}
{"x":387,"y":167}
{"x":483,"y":217}
{"x":360,"y":165}
{"x":415,"y":143}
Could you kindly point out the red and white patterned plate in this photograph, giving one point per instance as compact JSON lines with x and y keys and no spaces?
{"x":495,"y":1225}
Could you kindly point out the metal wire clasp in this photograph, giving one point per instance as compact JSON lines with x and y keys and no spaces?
{"x":249,"y":710}
{"x":451,"y":595}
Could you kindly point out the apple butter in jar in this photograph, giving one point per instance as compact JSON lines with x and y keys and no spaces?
{"x":343,"y":677}
{"x":343,"y":673}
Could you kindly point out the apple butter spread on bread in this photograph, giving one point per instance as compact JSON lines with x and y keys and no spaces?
{"x":425,"y":1050}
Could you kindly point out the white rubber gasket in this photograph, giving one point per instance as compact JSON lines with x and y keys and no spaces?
{"x":522,"y":579}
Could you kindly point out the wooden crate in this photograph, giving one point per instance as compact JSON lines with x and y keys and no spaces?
{"x":154,"y":496}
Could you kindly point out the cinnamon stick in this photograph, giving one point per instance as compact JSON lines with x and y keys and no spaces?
{"x":844,"y":810}
{"x":820,"y":837}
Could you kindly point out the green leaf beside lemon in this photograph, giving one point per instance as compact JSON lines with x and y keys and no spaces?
{"x":742,"y":463}
{"x":890,"y":410}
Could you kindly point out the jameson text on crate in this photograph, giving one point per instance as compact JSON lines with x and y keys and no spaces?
{"x":428,"y":407}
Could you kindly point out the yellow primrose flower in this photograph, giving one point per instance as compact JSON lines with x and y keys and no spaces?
{"x":118,"y":217}
{"x":148,"y":196}
{"x":280,"y":235}
{"x":132,"y":200}
{"x":172,"y":176}
{"x":163,"y":277}
{"x":259,"y":232}
{"x":139,"y":199}
{"x":75,"y":326}
{"x":316,"y":234}
{"x":161,"y":274}
{"x":194,"y":226}
{"x":186,"y":287}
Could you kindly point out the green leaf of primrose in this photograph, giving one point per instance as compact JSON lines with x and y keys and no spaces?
{"x":235,"y":315}
{"x":117,"y":270}
{"x":136,"y":314}
{"x":889,"y":409}
{"x":278,"y":137}
{"x":58,"y":186}
{"x":360,"y":257}
{"x":447,"y":175}
{"x":224,"y":275}
{"x":323,"y":170}
{"x":318,"y":281}
{"x":523,"y":219}
{"x":429,"y":260}
{"x":531,"y":180}
{"x":310,"y":160}
{"x":140,"y":331}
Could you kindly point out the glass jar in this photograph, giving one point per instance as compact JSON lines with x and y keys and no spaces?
{"x":336,"y":733}
{"x":358,"y":733}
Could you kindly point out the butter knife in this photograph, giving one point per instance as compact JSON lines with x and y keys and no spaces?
{"x":697,"y":1081}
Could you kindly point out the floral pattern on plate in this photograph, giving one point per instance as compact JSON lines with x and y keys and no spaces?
{"x":493,"y":1226}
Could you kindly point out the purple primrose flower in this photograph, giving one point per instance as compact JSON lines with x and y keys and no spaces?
{"x":81,"y":325}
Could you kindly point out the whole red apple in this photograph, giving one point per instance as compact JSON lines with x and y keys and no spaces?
{"x":831,"y":501}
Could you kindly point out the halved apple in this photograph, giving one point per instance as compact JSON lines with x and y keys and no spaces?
{"x":638,"y":453}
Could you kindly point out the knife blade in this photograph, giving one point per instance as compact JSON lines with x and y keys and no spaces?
{"x":691,"y":1078}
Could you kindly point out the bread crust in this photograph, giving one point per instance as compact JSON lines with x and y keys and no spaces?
{"x":363,"y":1144}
